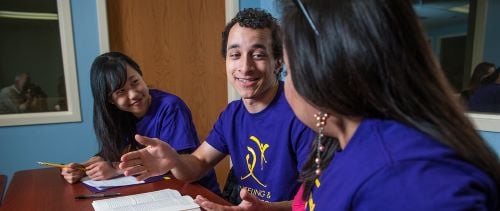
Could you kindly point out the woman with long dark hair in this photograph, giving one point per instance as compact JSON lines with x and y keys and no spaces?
{"x":391,"y":135}
{"x":486,"y":98}
{"x":481,"y":71}
{"x":125,"y":106}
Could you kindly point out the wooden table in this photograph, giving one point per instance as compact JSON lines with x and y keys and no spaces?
{"x":45,"y":189}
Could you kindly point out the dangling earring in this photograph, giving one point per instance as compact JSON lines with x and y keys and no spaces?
{"x":321,"y":122}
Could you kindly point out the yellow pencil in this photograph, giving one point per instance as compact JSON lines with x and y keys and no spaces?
{"x":58,"y":165}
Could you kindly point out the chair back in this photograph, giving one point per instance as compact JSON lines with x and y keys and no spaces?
{"x":3,"y":183}
{"x":231,"y":191}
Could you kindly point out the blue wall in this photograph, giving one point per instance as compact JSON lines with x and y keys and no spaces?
{"x":22,"y":146}
{"x":269,"y":5}
{"x":492,"y":39}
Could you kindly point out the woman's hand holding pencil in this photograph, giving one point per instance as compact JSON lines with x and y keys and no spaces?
{"x":78,"y":167}
{"x":73,"y":172}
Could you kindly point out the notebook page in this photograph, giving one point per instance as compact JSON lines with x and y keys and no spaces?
{"x":115,"y":182}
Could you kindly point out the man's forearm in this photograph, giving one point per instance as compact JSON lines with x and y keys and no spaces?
{"x":189,"y":168}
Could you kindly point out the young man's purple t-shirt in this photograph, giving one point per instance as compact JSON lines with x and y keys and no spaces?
{"x":267,"y":148}
{"x":389,"y":166}
{"x":169,"y":119}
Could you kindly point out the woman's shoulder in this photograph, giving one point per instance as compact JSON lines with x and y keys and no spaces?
{"x":396,"y":141}
{"x":165,"y":96}
{"x":408,"y":148}
{"x":165,"y":99}
{"x":459,"y":184}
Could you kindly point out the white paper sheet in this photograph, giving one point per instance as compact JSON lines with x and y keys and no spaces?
{"x":115,"y":182}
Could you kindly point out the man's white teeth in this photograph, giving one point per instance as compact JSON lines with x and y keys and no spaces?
{"x":244,"y":80}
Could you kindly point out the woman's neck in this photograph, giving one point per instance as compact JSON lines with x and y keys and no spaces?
{"x":343,"y":128}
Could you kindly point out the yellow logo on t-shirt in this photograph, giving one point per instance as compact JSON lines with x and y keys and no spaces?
{"x":310,"y":202}
{"x":251,"y":165}
{"x":262,"y":148}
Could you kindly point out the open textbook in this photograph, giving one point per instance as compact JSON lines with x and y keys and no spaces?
{"x":167,"y":199}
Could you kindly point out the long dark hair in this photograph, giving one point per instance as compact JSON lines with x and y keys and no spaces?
{"x":114,"y":128}
{"x":371,"y":60}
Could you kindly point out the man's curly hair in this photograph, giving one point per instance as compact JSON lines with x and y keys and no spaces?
{"x":256,"y":19}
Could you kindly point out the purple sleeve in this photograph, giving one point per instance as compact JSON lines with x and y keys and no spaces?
{"x":303,"y":141}
{"x":216,"y":136}
{"x":423,"y":186}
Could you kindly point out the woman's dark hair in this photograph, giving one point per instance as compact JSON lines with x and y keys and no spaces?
{"x":480,"y":72}
{"x":256,"y":19}
{"x":371,"y":60}
{"x":114,"y":128}
{"x":479,"y":75}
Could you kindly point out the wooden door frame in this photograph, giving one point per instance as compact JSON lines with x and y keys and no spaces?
{"x":231,"y":8}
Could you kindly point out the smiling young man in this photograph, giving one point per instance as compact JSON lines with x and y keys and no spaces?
{"x":265,"y":140}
